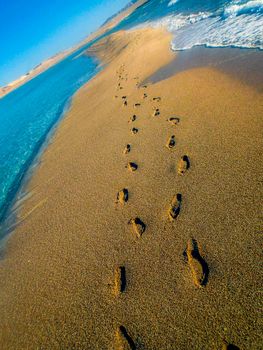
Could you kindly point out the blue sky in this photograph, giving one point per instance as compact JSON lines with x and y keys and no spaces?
{"x":32,"y":30}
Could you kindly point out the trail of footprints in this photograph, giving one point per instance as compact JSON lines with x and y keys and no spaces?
{"x":193,"y":253}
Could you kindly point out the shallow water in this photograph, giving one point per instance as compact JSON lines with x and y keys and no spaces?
{"x":28,"y":114}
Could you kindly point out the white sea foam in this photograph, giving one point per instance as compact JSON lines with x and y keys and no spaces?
{"x":172,"y":2}
{"x":204,"y":28}
{"x":237,"y":7}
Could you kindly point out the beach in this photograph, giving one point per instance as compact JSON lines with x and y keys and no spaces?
{"x":142,"y":232}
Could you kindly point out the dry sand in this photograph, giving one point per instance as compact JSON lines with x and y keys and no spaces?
{"x":171,"y":263}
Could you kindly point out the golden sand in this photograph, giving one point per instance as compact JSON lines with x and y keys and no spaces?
{"x":59,"y":271}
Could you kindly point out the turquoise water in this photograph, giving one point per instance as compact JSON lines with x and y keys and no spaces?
{"x":29,"y":113}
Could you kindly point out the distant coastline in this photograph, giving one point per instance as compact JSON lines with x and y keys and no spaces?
{"x":43,"y":66}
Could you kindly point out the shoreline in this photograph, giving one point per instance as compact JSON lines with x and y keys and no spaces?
{"x":8,"y":220}
{"x":56,"y":276}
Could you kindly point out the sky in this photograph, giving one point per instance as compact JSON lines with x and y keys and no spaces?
{"x":32,"y":30}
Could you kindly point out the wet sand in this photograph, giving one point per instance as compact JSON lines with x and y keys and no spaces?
{"x":142,"y":232}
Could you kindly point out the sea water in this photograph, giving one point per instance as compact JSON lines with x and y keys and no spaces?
{"x":28,"y":114}
{"x":211,"y":23}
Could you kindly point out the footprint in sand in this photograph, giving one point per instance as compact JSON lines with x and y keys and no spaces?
{"x":136,"y":105}
{"x":119,"y":280}
{"x":175,"y":207}
{"x":132,"y":166}
{"x":124,"y":97}
{"x":171,"y":142}
{"x":173,"y":120}
{"x":144,"y":95}
{"x":144,"y":86}
{"x":157,"y":99}
{"x":132,"y":119}
{"x":123,"y":340}
{"x":156,"y":112}
{"x":134,"y":131}
{"x":138,"y":226}
{"x":127,"y":149}
{"x":198,"y":265}
{"x":183,"y":165}
{"x":123,"y":196}
{"x":227,"y":346}
{"x":125,"y":103}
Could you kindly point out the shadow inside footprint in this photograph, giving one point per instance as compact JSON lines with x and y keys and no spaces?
{"x":119,"y":280}
{"x":132,"y":166}
{"x":124,"y":339}
{"x":156,"y":112}
{"x":183,"y":165}
{"x":173,"y":120}
{"x":198,"y":265}
{"x":171,"y":142}
{"x":127,"y":149}
{"x":138,"y":226}
{"x":123,"y":196}
{"x":175,"y":207}
{"x":134,"y":131}
{"x":230,"y":347}
{"x":132,"y":119}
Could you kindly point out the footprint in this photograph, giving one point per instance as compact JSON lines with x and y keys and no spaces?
{"x":132,"y":119}
{"x":124,"y":97}
{"x":227,"y":346}
{"x":123,"y":196}
{"x":171,"y":142}
{"x":127,"y":149}
{"x":198,"y":265}
{"x":175,"y":207}
{"x":158,"y":99}
{"x":173,"y":120}
{"x":137,"y":105}
{"x":119,"y":280}
{"x":156,"y":112}
{"x":145,"y":95}
{"x":183,"y":165}
{"x":134,"y":131}
{"x":138,"y":226}
{"x":144,"y":86}
{"x":125,"y":103}
{"x":123,"y":340}
{"x":132,"y":166}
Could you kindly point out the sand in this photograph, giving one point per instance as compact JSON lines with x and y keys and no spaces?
{"x":173,"y":261}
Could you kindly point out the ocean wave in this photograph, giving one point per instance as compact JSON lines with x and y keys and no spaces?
{"x":239,"y":8}
{"x":244,"y":29}
{"x":222,"y":23}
